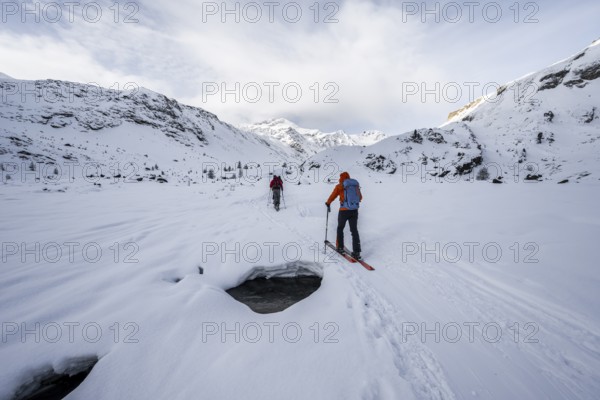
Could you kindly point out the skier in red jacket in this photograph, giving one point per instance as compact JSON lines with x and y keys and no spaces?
{"x":276,"y":187}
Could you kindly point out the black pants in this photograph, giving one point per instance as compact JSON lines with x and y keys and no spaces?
{"x":276,"y":196}
{"x":352,"y":217}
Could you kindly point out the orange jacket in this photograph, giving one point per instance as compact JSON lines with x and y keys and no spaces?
{"x":338,"y":190}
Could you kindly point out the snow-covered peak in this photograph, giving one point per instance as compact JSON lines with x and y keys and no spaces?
{"x":310,"y":141}
{"x":367,"y":138}
{"x":278,"y":123}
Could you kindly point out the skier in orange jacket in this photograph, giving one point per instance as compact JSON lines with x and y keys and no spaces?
{"x":350,"y":196}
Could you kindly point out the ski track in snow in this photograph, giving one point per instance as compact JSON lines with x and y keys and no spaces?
{"x":561,"y":359}
{"x":488,"y":301}
{"x":414,"y":363}
{"x":556,"y":325}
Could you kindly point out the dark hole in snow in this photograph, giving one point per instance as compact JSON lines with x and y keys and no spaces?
{"x":56,"y":383}
{"x":270,"y":290}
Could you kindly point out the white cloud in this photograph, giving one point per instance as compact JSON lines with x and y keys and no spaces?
{"x":368,"y":55}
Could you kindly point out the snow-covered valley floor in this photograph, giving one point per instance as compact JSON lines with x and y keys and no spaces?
{"x":480,"y":291}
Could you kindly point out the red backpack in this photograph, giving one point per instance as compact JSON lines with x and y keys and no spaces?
{"x":277,"y":183}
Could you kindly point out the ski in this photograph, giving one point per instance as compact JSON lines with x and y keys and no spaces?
{"x":364,"y":264}
{"x":348,"y":257}
{"x":361,"y":262}
{"x":345,"y":255}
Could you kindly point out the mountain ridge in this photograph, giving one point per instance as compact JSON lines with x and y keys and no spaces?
{"x":545,"y":126}
{"x":310,"y":141}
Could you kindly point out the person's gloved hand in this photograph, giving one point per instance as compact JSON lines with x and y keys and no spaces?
{"x":328,"y":207}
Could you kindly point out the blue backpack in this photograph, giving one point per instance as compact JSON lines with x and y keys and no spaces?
{"x":351,"y":194}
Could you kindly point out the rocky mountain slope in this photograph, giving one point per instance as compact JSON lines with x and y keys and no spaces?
{"x":545,"y":126}
{"x":47,"y":124}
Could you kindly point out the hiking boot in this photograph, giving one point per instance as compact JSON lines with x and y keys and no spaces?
{"x":356,"y":256}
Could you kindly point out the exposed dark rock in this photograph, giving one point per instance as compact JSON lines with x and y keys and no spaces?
{"x":591,"y":73}
{"x":435,"y":137}
{"x":583,"y":175}
{"x":24,"y":154}
{"x":20,"y":142}
{"x":416,"y":137}
{"x":540,"y":137}
{"x":589,"y":116}
{"x":70,"y":157}
{"x":380,"y":163}
{"x":580,"y":83}
{"x":523,"y":156}
{"x":468,"y":167}
{"x":551,"y":81}
{"x":530,"y":177}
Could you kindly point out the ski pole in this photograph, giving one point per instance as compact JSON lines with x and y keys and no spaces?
{"x":283,"y":198}
{"x":326,"y":229}
{"x":269,"y":197}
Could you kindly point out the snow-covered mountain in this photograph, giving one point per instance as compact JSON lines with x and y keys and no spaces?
{"x":544,"y":126}
{"x":308,"y":142}
{"x":548,"y":122}
{"x":156,"y":138}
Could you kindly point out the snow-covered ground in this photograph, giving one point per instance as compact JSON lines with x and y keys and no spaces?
{"x":476,"y":324}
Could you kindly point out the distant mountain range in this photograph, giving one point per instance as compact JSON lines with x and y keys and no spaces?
{"x":544,"y":126}
{"x":310,"y":141}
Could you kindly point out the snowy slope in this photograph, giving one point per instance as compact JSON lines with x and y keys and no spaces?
{"x":524,"y":329}
{"x":548,"y":121}
{"x":545,"y":126}
{"x":125,"y":133}
{"x":310,"y":141}
{"x":423,"y":154}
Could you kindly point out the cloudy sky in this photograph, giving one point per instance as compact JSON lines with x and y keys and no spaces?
{"x":352,"y":64}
